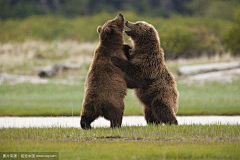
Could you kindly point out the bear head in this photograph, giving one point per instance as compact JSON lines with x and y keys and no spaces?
{"x":112,"y":29}
{"x":142,"y":32}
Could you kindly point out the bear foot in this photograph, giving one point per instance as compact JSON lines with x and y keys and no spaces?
{"x":85,"y":125}
{"x":164,"y":113}
{"x":174,"y":122}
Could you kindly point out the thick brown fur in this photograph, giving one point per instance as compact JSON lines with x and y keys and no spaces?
{"x":105,"y":86}
{"x":160,"y":98}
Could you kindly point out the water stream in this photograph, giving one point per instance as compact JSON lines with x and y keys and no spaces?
{"x":26,"y":122}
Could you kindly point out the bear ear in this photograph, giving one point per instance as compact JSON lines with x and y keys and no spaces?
{"x":99,"y":29}
{"x":152,"y":30}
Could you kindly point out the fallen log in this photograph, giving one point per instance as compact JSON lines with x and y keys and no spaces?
{"x":14,"y":79}
{"x":197,"y":69}
{"x":51,"y":70}
{"x":218,"y":76}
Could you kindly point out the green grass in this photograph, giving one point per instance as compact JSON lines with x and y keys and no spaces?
{"x":209,"y":98}
{"x":52,"y":99}
{"x":151,"y":142}
{"x":128,"y":150}
{"x":41,"y":100}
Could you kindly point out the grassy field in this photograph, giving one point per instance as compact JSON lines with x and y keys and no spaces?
{"x":25,"y":99}
{"x":151,"y":142}
{"x":59,"y":99}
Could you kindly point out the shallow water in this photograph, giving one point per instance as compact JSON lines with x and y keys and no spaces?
{"x":21,"y":122}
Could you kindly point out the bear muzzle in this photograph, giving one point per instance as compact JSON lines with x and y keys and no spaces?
{"x":128,"y":32}
{"x":120,"y":17}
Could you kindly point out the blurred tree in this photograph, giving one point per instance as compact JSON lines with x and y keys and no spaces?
{"x":222,"y":9}
{"x":70,"y":8}
{"x":178,"y":42}
{"x":19,"y":8}
{"x":180,"y":6}
{"x":232,"y":37}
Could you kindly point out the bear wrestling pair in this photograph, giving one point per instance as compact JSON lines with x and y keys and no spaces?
{"x":116,"y":67}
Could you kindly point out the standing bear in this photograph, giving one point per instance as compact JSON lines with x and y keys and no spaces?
{"x":105,"y":86}
{"x":160,"y":98}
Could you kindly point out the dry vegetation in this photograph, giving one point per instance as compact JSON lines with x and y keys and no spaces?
{"x":23,"y":57}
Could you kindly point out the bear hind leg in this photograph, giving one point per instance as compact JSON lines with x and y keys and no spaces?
{"x":88,"y":116}
{"x":164,"y":113}
{"x":116,"y":122}
{"x":150,"y":117}
{"x":114,"y":114}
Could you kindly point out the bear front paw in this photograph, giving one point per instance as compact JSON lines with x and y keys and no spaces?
{"x":170,"y":122}
{"x":126,"y":46}
{"x":116,"y":61}
{"x":126,"y":50}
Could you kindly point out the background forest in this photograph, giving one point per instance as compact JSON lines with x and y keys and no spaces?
{"x":187,"y":28}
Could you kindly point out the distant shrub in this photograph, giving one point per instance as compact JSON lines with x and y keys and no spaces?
{"x":206,"y":42}
{"x":215,"y":9}
{"x":50,"y":28}
{"x":232,"y":36}
{"x":178,"y":42}
{"x":180,"y":36}
{"x":189,"y":42}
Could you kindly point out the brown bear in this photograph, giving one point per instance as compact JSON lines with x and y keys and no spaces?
{"x":105,"y":86}
{"x":160,"y":98}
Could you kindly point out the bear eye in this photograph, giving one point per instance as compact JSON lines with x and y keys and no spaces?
{"x":137,"y":24}
{"x":113,"y":21}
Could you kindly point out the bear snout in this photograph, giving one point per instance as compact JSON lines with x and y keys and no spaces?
{"x":121,"y":16}
{"x":129,"y":24}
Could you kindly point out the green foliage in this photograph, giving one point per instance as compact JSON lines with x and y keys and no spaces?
{"x":50,"y":28}
{"x":24,"y":8}
{"x":222,"y":9}
{"x":73,"y":8}
{"x":178,"y":41}
{"x":70,"y":8}
{"x":180,"y":36}
{"x":232,"y":36}
{"x":215,"y":9}
{"x":190,"y":36}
